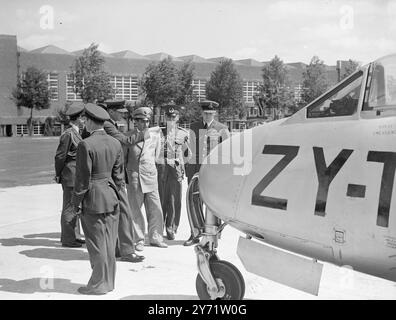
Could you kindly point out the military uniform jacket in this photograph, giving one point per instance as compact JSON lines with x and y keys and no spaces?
{"x":99,"y":173}
{"x":111,"y":129}
{"x":65,"y":157}
{"x":141,"y":162}
{"x":174,"y":149}
{"x":202,"y":141}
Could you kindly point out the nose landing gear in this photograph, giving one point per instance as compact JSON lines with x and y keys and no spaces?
{"x":216,"y":279}
{"x":229,"y":281}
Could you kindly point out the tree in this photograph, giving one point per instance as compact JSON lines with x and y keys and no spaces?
{"x":314,"y":80}
{"x":185,"y":78}
{"x":225,"y":87}
{"x":350,"y":67}
{"x":32,"y":92}
{"x":92,"y":82}
{"x":160,"y":84}
{"x":275,"y":92}
{"x":189,"y":108}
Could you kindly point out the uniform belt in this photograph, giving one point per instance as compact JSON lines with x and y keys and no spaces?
{"x":100,"y":175}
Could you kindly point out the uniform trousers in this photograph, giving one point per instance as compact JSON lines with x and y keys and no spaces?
{"x":152,"y":204}
{"x":100,"y":235}
{"x":171,"y":197}
{"x":125,"y":242}
{"x":70,"y":222}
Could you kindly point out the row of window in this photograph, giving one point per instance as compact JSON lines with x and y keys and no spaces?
{"x":22,"y":129}
{"x":127,"y":88}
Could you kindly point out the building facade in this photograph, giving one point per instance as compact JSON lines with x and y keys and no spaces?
{"x":126,"y":69}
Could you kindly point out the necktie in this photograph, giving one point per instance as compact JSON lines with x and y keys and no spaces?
{"x":205,"y":126}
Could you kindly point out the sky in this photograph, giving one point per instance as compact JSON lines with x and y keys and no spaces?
{"x":294,"y":30}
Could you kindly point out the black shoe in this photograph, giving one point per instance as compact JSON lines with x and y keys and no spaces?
{"x":82,"y":241}
{"x":170,"y":235}
{"x":133,"y":257}
{"x":85,"y":290}
{"x":72,"y":245}
{"x":192,"y":240}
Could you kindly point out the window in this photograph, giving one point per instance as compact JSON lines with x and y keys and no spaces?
{"x":38,"y":129}
{"x":341,"y":101}
{"x":71,"y":89}
{"x":199,"y":89}
{"x":21,"y":129}
{"x":298,"y":91}
{"x":126,"y":87}
{"x":52,"y":79}
{"x":383,"y":84}
{"x":249,"y":90}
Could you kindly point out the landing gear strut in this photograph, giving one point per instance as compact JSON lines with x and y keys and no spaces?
{"x":216,"y":279}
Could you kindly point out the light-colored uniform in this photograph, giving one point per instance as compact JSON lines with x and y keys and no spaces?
{"x":143,"y":186}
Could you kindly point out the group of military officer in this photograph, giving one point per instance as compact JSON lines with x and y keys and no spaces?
{"x":107,"y":176}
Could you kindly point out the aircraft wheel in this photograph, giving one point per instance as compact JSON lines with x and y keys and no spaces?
{"x":229,"y":279}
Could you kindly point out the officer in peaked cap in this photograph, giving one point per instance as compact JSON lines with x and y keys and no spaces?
{"x":209,"y":106}
{"x":207,"y":133}
{"x":175,"y":144}
{"x":143,"y":113}
{"x":125,"y":247}
{"x":142,"y":182}
{"x":118,"y":105}
{"x":74,"y":110}
{"x":65,"y":170}
{"x":99,"y":177}
{"x":94,"y":112}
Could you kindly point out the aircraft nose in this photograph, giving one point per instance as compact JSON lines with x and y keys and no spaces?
{"x":221,"y":178}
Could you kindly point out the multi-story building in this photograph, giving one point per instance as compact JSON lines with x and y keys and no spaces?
{"x":126,"y":69}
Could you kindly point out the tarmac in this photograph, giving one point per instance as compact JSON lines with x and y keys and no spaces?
{"x":33,"y":265}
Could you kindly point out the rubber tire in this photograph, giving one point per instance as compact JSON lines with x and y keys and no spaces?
{"x":231,"y":277}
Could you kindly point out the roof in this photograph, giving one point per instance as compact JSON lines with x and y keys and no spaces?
{"x":128,"y":54}
{"x":161,"y":56}
{"x":80,"y":52}
{"x":250,"y":62}
{"x":194,"y":58}
{"x":51,"y":49}
{"x":218,"y":59}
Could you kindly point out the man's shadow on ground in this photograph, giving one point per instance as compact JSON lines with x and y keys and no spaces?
{"x":35,"y":240}
{"x":64,"y":254}
{"x":30,"y":286}
{"x":54,"y":251}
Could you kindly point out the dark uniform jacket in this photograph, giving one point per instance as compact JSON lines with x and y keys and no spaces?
{"x":99,"y":173}
{"x":65,"y":157}
{"x":202,"y":141}
{"x":111,"y":129}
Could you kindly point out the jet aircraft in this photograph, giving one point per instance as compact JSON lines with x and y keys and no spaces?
{"x":318,"y":185}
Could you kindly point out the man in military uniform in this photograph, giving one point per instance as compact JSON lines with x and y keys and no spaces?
{"x":207,"y":133}
{"x":142,"y":181}
{"x":65,"y":170}
{"x":125,"y":244}
{"x":99,"y":178}
{"x":171,"y":171}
